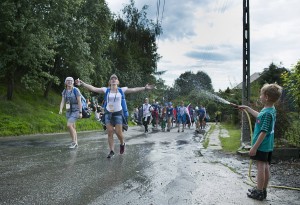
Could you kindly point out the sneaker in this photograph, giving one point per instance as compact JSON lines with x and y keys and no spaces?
{"x":264,"y":191}
{"x":122,"y":148}
{"x":256,"y":194}
{"x":182,"y":130}
{"x":111,"y":154}
{"x":73,"y":145}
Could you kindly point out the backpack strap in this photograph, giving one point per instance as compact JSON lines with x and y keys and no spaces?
{"x":105,"y":97}
{"x":123,"y":103}
{"x":64,"y":93}
{"x":122,"y":93}
{"x":75,"y":91}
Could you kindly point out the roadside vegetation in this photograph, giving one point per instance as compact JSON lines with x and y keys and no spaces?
{"x":207,"y":134}
{"x":31,"y":114}
{"x":233,"y":142}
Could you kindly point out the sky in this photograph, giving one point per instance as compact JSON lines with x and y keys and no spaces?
{"x":207,"y":36}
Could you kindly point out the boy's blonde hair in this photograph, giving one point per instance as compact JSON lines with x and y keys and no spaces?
{"x":273,"y":91}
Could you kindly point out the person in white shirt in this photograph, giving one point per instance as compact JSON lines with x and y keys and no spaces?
{"x":182,"y":114}
{"x":147,"y":110}
{"x":113,"y":109}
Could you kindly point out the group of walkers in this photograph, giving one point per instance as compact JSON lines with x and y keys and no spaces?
{"x":167,"y":115}
{"x":113,"y":117}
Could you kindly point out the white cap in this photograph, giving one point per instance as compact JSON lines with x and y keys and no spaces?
{"x":113,"y":76}
{"x":69,"y":78}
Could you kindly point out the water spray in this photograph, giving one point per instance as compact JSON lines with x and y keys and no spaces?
{"x":215,"y":97}
{"x":234,"y":105}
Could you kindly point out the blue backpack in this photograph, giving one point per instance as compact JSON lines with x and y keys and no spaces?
{"x":85,"y":110}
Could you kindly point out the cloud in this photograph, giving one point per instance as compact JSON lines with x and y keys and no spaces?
{"x":215,"y":53}
{"x":207,"y":35}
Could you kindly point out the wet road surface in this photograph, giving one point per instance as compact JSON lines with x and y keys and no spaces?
{"x":158,"y":168}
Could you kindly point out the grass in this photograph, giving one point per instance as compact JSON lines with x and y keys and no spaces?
{"x":206,"y":141}
{"x":233,"y":142}
{"x":31,"y":113}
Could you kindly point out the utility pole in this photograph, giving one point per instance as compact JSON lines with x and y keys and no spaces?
{"x":246,"y":72}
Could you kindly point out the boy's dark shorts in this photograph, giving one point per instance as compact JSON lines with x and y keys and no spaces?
{"x":262,"y":156}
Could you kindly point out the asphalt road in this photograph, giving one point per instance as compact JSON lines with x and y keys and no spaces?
{"x":158,"y":168}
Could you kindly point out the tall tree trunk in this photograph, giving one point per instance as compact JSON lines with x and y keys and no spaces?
{"x":57,"y":64}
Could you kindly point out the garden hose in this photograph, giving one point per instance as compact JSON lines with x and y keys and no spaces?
{"x":250,"y":163}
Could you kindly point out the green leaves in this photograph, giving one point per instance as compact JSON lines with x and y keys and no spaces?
{"x":291,"y":82}
{"x":42,"y":42}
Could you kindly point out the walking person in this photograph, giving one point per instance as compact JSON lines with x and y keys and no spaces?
{"x":147,"y":110}
{"x":169,"y":116}
{"x":262,"y":142}
{"x":201,"y":114}
{"x":218,"y":116}
{"x":195,"y":117}
{"x":163,"y":117}
{"x":73,"y":105}
{"x":182,"y":114}
{"x":113,"y":108}
{"x":155,"y":114}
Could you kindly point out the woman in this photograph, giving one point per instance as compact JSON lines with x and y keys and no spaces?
{"x":147,"y":109}
{"x":71,"y":97}
{"x":113,"y":109}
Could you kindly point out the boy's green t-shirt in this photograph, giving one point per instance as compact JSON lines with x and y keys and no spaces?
{"x":265,"y":121}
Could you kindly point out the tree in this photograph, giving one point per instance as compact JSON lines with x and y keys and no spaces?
{"x":272,"y":74}
{"x":189,"y":81}
{"x":133,"y":49}
{"x":25,"y":44}
{"x":99,"y":22}
{"x":291,"y":83}
{"x":72,"y":50}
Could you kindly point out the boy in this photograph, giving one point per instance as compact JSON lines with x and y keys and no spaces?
{"x":263,"y":138}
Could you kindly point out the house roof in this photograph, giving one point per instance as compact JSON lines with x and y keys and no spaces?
{"x":253,"y":78}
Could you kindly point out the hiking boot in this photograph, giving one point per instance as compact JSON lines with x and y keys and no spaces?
{"x":73,"y":145}
{"x":122,"y":148}
{"x":264,"y":191}
{"x":256,"y":194}
{"x":111,"y":154}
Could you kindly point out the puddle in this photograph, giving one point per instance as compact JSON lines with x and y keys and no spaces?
{"x":165,"y":143}
{"x":198,"y":153}
{"x":181,"y":142}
